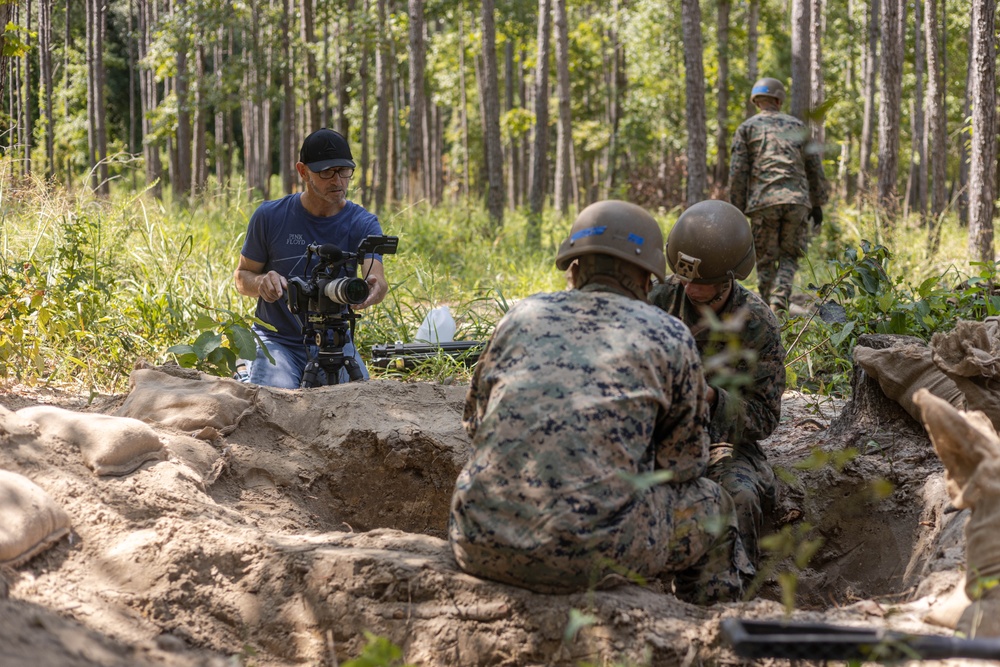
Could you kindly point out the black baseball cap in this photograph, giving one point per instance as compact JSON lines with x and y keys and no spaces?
{"x":324,"y":149}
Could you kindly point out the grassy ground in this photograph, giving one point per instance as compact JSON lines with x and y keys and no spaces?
{"x":88,"y":286}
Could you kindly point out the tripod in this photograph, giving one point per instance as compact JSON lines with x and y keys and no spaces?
{"x":329,"y":334}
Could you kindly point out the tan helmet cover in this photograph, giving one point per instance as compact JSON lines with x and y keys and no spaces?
{"x":768,"y":87}
{"x":710,"y":243}
{"x":619,"y":229}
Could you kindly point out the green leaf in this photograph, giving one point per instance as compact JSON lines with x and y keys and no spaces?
{"x":578,"y":620}
{"x":207,"y":342}
{"x":242,"y":341}
{"x":205,"y":322}
{"x":647,"y":480}
{"x":838,"y":338}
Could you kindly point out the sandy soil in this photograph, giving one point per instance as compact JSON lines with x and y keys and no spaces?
{"x":320,"y":516}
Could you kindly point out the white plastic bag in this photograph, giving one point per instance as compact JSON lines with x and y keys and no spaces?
{"x":438,"y":327}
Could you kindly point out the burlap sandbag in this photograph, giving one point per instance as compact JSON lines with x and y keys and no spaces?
{"x":109,"y":445}
{"x":205,"y":406}
{"x":970,"y":356}
{"x":903,"y":370}
{"x":30,"y":521}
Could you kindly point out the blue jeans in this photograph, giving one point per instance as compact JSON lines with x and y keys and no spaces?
{"x":290,"y":361}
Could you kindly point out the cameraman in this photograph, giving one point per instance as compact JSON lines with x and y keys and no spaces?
{"x":275,"y":249}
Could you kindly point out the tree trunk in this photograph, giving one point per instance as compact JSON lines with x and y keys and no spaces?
{"x":383,"y":169}
{"x":847,"y":141}
{"x":97,"y":132}
{"x":308,"y":34}
{"x":694,"y":87}
{"x":964,"y":196}
{"x":618,"y":84}
{"x":564,"y":131}
{"x":891,"y":77}
{"x":982,"y":167}
{"x":221,"y":154}
{"x":149,"y":99}
{"x":464,"y":111}
{"x":256,"y":106}
{"x":540,"y":142}
{"x":286,"y":125}
{"x":417,"y":113}
{"x":800,"y":59}
{"x":937,"y":131}
{"x":45,"y":73}
{"x":512,"y":148}
{"x":871,"y":65}
{"x":722,"y":108}
{"x":753,"y":18}
{"x":366,"y":54}
{"x":817,"y":13}
{"x":491,"y":118}
{"x":181,"y":183}
{"x":918,"y":165}
{"x":199,"y":148}
{"x":29,"y":92}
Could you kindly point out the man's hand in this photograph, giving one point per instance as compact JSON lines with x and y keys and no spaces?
{"x":378,"y":287}
{"x":817,"y":217}
{"x":271,"y":286}
{"x":252,"y":281}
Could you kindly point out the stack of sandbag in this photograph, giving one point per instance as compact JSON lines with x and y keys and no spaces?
{"x":31,"y":521}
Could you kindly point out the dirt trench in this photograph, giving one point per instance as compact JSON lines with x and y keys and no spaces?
{"x":321,"y":517}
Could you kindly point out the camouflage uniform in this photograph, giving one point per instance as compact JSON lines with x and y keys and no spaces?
{"x":743,"y":419}
{"x":775,"y":177}
{"x":577,"y":394}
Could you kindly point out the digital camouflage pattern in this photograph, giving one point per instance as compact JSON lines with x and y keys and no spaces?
{"x":772,"y":163}
{"x":740,"y":420}
{"x":576,"y":399}
{"x":781,"y":237}
{"x":775,"y":178}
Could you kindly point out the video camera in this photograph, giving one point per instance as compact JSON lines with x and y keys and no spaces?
{"x":325,"y":297}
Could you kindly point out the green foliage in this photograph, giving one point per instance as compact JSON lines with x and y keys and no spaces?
{"x":378,"y":652}
{"x":793,"y":544}
{"x":222,"y":342}
{"x":578,"y":620}
{"x":867,"y":294}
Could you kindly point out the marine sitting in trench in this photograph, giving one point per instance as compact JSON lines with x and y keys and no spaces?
{"x":588,"y":420}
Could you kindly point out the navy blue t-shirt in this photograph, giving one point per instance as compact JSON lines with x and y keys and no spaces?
{"x":278,"y":234}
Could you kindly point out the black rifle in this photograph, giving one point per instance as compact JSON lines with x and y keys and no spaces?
{"x":400,"y":356}
{"x":819,"y":641}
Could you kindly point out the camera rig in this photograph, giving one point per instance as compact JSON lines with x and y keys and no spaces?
{"x":325,"y":298}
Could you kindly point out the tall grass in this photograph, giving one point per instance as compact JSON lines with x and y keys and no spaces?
{"x":88,"y":286}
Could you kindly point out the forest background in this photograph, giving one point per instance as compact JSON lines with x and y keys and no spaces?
{"x":139,"y":135}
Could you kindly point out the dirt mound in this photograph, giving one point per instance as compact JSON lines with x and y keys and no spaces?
{"x":321,"y":514}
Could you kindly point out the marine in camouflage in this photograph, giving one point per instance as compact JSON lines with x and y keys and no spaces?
{"x":739,"y":420}
{"x":578,"y":398}
{"x":776,"y":177}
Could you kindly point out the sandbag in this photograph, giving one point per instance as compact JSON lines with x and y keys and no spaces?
{"x":109,"y":445}
{"x":902,"y":370}
{"x":30,"y":521}
{"x":970,"y":356}
{"x":206,"y":406}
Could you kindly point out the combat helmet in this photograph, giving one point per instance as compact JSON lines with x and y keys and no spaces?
{"x":618,"y":229}
{"x":710,"y":243}
{"x":768,"y":87}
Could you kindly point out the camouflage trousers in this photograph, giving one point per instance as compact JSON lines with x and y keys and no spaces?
{"x":780,"y":237}
{"x":747,"y":476}
{"x":687,"y":530}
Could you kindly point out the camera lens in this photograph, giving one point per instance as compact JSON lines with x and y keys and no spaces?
{"x":346,"y":290}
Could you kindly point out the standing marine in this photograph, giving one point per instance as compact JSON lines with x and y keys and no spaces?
{"x":776,"y":178}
